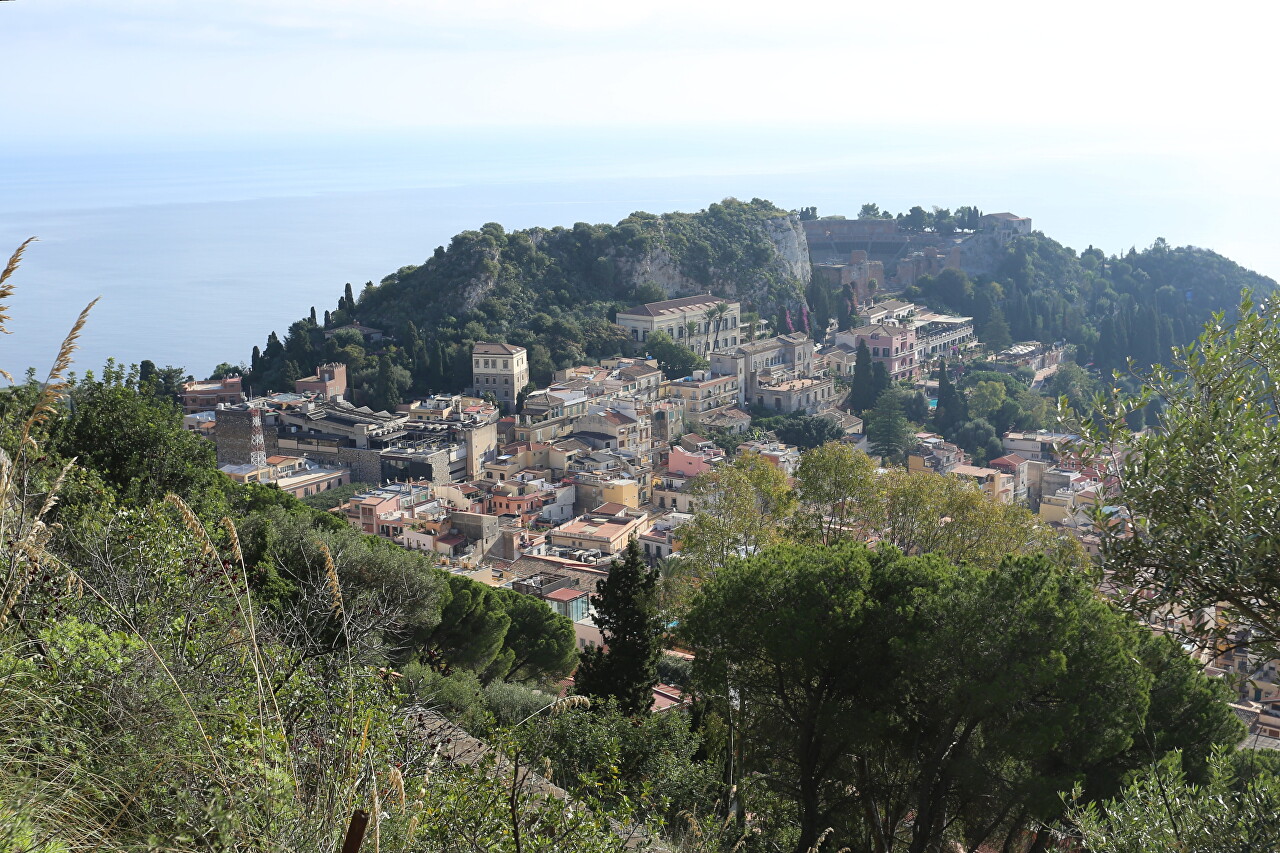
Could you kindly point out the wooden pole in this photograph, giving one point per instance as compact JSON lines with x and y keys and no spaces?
{"x":355,"y":831}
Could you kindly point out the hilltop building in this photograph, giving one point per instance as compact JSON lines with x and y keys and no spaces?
{"x":499,"y":369}
{"x":207,"y":395}
{"x":328,"y":382}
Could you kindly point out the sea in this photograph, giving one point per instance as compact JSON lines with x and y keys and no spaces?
{"x":199,"y":248}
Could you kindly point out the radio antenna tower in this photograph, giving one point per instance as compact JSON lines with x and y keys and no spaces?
{"x":257,"y":445}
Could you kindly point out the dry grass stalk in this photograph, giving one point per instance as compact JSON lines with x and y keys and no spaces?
{"x":194,"y":525}
{"x":331,"y":579}
{"x":52,"y":497}
{"x":568,"y":703}
{"x":397,"y":785}
{"x":55,"y":383}
{"x":826,"y":833}
{"x":6,"y":289}
{"x":234,"y":535}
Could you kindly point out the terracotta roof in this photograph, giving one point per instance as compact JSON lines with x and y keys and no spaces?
{"x":1010,"y":459}
{"x":488,"y":348}
{"x":568,"y":594}
{"x":655,"y":309}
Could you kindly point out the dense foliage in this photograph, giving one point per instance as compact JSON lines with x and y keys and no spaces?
{"x":876,"y":694}
{"x":1200,"y":491}
{"x":1136,"y":306}
{"x":554,"y":291}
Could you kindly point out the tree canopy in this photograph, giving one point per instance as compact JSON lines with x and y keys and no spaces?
{"x":877,"y":695}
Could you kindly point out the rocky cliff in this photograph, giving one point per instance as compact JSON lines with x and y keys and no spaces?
{"x":777,"y":279}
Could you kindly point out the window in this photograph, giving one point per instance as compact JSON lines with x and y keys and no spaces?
{"x":506,"y":363}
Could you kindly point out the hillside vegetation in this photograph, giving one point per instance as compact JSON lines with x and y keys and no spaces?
{"x":188,"y":664}
{"x":554,"y":291}
{"x":1111,"y":309}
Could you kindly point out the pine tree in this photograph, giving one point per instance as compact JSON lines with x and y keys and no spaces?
{"x":887,"y":428}
{"x":862,"y":395}
{"x":626,"y":604}
{"x":995,"y":334}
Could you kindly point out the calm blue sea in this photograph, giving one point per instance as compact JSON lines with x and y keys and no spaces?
{"x":199,"y":251}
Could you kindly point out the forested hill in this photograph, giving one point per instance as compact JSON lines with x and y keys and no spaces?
{"x":1136,"y":306}
{"x":553,"y":291}
{"x":1111,"y":309}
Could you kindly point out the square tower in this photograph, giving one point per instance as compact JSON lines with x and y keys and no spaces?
{"x":500,"y":369}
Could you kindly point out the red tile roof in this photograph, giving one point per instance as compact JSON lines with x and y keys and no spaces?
{"x":565,"y":594}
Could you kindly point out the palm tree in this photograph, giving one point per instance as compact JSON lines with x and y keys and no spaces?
{"x":716,"y":314}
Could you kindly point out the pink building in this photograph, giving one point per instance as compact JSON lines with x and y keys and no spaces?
{"x":686,"y":464}
{"x":206,"y":395}
{"x":892,"y":346}
{"x":329,"y":381}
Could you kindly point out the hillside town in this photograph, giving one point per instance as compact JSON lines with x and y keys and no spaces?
{"x":539,"y":489}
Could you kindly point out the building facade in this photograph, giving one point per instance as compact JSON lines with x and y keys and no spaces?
{"x":499,"y":369}
{"x":207,"y":395}
{"x":702,"y":323}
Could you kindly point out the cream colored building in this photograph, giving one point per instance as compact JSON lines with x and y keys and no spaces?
{"x":500,"y":369}
{"x":702,"y":323}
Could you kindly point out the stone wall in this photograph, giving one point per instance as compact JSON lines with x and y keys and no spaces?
{"x":231,"y":437}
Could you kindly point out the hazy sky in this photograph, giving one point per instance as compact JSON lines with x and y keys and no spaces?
{"x":1181,"y":75}
{"x":1116,"y":85}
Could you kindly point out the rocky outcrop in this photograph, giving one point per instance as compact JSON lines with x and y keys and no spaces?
{"x":778,"y":283}
{"x":787,"y":236}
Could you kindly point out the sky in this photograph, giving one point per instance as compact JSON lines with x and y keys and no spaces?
{"x":1120,"y":85}
{"x":1177,"y":75}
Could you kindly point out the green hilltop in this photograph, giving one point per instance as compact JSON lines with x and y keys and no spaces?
{"x":556,"y":291}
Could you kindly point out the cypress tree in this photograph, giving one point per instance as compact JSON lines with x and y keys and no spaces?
{"x":951,"y":410}
{"x":349,"y":300}
{"x":880,"y":380}
{"x":626,"y":604}
{"x":313,"y":315}
{"x":326,"y":318}
{"x":386,"y":391}
{"x":862,"y":395}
